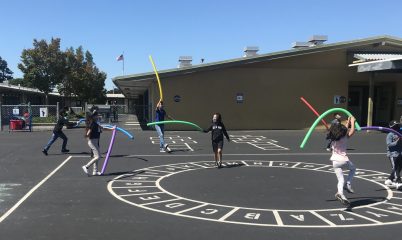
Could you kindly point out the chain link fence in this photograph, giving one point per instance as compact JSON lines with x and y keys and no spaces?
{"x":26,"y":116}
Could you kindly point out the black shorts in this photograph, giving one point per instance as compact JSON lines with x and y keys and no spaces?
{"x":216,"y":145}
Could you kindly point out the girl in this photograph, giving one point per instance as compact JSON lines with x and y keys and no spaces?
{"x":394,"y":151}
{"x":218,"y":130}
{"x":93,"y":132}
{"x":339,"y":134}
{"x":160,"y":114}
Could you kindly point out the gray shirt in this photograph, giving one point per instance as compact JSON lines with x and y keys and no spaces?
{"x":394,"y":145}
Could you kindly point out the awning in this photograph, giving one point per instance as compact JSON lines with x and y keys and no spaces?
{"x":133,"y":88}
{"x":378,"y":62}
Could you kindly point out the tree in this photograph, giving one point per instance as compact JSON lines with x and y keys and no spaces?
{"x":5,"y":72}
{"x":43,"y":65}
{"x":83,"y":79}
{"x":19,"y":81}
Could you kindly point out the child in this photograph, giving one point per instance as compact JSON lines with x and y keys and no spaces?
{"x":394,"y":148}
{"x":337,"y":120}
{"x":58,"y":133}
{"x":93,"y":132}
{"x":218,"y":130}
{"x":160,"y":114}
{"x":339,"y":134}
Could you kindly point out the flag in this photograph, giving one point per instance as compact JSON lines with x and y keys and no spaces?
{"x":120,"y":58}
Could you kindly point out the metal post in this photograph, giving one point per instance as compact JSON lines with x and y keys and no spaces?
{"x":57,"y":111}
{"x":1,"y":110}
{"x":30,"y":116}
{"x":370,"y":100}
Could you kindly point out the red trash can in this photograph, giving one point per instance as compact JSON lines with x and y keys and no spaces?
{"x":16,"y":124}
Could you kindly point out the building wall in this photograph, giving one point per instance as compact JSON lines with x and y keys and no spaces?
{"x":271,"y":90}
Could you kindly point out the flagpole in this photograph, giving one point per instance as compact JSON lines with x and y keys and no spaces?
{"x":123,"y":63}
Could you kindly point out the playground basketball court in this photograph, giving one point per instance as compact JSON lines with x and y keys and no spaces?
{"x":268,"y":188}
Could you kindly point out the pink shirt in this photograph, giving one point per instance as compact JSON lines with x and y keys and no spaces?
{"x":339,"y":150}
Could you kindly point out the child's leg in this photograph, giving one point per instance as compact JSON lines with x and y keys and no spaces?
{"x":65,"y":139}
{"x":392,"y":160}
{"x":51,"y":141}
{"x":352,"y":171}
{"x":398,"y":168}
{"x":339,"y":175}
{"x":92,"y":144}
{"x":220,"y":155}
{"x":160,"y":135}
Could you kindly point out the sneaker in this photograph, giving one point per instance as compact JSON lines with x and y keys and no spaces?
{"x":398,"y":186}
{"x":342,"y":199}
{"x":166,"y":146}
{"x":85,"y":170}
{"x":162,"y":150}
{"x":97,"y":173}
{"x":328,"y":149}
{"x":388,"y":182}
{"x":168,"y":150}
{"x":65,"y":150}
{"x":348,"y":188}
{"x":44,"y":152}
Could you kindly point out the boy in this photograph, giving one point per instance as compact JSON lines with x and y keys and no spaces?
{"x":58,"y":133}
{"x":160,"y":114}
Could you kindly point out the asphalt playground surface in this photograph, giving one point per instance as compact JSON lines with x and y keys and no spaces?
{"x":269,"y":188}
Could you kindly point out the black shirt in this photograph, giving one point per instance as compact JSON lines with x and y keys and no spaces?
{"x":59,"y":125}
{"x":95,"y":130}
{"x":218,"y":130}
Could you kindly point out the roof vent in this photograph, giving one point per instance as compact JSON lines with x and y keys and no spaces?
{"x":316,"y":40}
{"x":301,"y":44}
{"x":185,"y":61}
{"x":250,"y":51}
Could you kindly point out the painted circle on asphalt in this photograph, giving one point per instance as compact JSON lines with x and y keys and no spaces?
{"x":143,"y":189}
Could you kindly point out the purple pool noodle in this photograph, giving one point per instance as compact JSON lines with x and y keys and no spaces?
{"x":382,"y":129}
{"x":109,"y":151}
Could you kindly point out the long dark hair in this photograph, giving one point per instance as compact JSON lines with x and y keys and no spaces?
{"x":337,"y":131}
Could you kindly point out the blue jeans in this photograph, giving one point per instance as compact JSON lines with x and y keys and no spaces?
{"x":54,"y":137}
{"x":160,"y":130}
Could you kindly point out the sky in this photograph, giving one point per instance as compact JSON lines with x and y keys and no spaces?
{"x":214,"y":30}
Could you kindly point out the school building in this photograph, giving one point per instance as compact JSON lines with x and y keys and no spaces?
{"x":262,"y":91}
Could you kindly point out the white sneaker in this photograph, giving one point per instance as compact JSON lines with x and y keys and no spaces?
{"x":85,"y":169}
{"x":348,"y":188}
{"x":389,"y":182}
{"x":162,"y":150}
{"x":97,"y":173}
{"x":398,"y":186}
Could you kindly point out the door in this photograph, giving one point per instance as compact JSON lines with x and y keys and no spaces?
{"x":355,"y":103}
{"x":383,"y":104}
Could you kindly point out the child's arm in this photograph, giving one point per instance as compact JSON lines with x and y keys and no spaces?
{"x":390,"y":140}
{"x":208,"y":129}
{"x":352,"y":121}
{"x":88,"y":133}
{"x":225,"y":132}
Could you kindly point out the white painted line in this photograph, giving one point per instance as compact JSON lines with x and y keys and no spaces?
{"x":199,"y":165}
{"x":244,"y":154}
{"x":228,"y":214}
{"x":297,"y":164}
{"x":323,"y":218}
{"x":189,"y":147}
{"x":393,"y":204}
{"x":246,"y":164}
{"x":364,"y":217}
{"x":11,"y":210}
{"x":277,"y":218}
{"x":135,"y":187}
{"x":139,"y":194}
{"x":388,"y":211}
{"x":174,"y":199}
{"x":321,"y":167}
{"x":190,"y":209}
{"x":271,"y":163}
